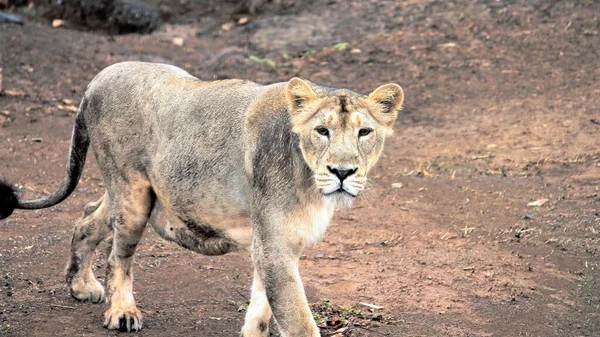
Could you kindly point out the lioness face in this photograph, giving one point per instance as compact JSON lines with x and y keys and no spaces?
{"x":342,"y":134}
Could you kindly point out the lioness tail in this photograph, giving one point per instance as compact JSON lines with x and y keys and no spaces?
{"x":80,"y":141}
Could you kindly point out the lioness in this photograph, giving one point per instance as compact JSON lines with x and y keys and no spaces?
{"x":216,"y":167}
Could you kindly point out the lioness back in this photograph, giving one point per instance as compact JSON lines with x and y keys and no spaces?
{"x":184,"y":134}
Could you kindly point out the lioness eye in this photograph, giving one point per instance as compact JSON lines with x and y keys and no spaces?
{"x":322,"y":131}
{"x":364,"y":132}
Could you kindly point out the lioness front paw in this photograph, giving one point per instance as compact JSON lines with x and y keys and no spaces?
{"x":92,"y":291}
{"x":123,"y":319}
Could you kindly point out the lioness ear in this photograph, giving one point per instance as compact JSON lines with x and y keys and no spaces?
{"x":388,"y":98}
{"x":298,"y":93}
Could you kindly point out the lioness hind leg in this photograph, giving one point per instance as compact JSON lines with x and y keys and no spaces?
{"x":87,"y":234}
{"x":130,"y":213}
{"x":259,"y":312}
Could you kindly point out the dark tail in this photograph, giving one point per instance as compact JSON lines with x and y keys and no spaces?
{"x":80,"y":141}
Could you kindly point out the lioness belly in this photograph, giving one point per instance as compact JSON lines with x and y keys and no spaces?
{"x":217,"y":237}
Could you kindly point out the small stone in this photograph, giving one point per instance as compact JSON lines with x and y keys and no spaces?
{"x":71,"y":108}
{"x":538,"y":202}
{"x":397,"y":185}
{"x":178,"y":41}
{"x":243,"y":21}
{"x":448,"y":45}
{"x":57,"y":23}
{"x":227,"y":26}
{"x":11,"y":92}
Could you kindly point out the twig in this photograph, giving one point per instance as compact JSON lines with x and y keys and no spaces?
{"x":467,"y":230}
{"x":568,"y":25}
{"x":244,"y":296}
{"x":486,"y":156}
{"x":367,"y":329}
{"x":62,"y":306}
{"x":35,"y":286}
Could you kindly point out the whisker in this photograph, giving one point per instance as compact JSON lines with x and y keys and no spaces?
{"x":368,"y":193}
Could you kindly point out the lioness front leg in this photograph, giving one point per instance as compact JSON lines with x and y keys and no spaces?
{"x":276,"y":263}
{"x":129,"y":220}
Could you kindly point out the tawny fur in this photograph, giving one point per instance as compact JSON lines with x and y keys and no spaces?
{"x":216,"y":167}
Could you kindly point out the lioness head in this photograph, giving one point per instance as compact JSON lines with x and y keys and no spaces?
{"x":342,"y":133}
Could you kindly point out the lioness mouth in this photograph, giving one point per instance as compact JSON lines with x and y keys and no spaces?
{"x":341,"y":190}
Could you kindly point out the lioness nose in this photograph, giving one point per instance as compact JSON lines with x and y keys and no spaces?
{"x":341,"y":173}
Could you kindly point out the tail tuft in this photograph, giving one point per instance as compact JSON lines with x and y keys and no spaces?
{"x":8,"y":199}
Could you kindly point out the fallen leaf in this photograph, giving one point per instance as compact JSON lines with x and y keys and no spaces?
{"x":423,"y":173}
{"x":341,"y":46}
{"x":261,"y":60}
{"x":538,"y":202}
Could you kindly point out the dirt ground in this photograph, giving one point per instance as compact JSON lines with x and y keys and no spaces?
{"x":502,"y":109}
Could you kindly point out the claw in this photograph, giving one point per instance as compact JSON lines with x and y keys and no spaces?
{"x":124,"y":320}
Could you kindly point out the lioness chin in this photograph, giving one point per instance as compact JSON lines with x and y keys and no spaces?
{"x":216,"y":167}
